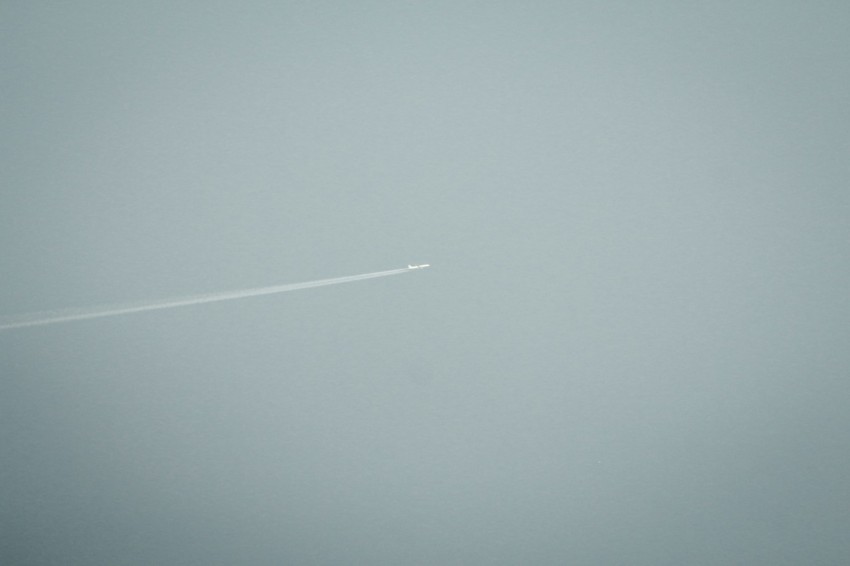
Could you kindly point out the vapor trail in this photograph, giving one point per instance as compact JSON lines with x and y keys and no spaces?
{"x":67,"y":315}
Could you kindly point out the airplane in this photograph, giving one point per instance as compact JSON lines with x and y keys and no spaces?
{"x":418,"y":266}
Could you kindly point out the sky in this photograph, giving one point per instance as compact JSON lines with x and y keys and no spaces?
{"x":631,"y":347}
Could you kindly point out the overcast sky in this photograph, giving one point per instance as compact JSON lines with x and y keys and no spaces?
{"x":632,"y":347}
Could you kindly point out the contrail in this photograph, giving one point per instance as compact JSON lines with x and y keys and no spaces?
{"x":67,"y":315}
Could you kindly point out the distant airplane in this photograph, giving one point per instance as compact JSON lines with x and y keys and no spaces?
{"x":418,"y":266}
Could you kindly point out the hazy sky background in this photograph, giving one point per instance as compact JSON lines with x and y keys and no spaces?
{"x":632,"y":347}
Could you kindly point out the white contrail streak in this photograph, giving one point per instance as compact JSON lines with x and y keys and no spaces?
{"x":67,"y":315}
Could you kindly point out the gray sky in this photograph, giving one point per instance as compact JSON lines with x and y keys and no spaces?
{"x":631,"y":347}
